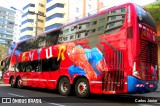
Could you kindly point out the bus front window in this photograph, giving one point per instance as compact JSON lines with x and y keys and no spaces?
{"x":145,"y":18}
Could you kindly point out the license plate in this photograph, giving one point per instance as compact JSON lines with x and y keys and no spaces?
{"x":151,"y":85}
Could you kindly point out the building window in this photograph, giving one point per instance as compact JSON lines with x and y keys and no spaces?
{"x":11,"y":23}
{"x":89,"y":14}
{"x":76,"y":18}
{"x":27,"y":29}
{"x":79,"y":35}
{"x":29,"y":5}
{"x":123,"y":16}
{"x":93,"y":30}
{"x":53,"y":26}
{"x":65,"y":38}
{"x":113,"y":18}
{"x":80,"y":27}
{"x":77,"y":9}
{"x":89,"y":6}
{"x":102,"y":20}
{"x":66,"y":31}
{"x":94,"y":22}
{"x":28,"y":20}
{"x":71,"y":37}
{"x":101,"y":28}
{"x":28,"y":13}
{"x":111,"y":25}
{"x":87,"y":25}
{"x":48,"y":1}
{"x":73,"y":28}
{"x":113,"y":11}
{"x":123,"y":10}
{"x":86,"y":34}
{"x":60,"y":15}
{"x":54,"y":6}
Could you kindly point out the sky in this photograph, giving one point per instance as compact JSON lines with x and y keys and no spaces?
{"x":108,"y":3}
{"x":15,"y":3}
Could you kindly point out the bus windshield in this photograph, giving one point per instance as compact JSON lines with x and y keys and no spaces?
{"x":145,"y":17}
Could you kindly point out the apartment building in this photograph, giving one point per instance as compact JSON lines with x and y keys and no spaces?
{"x":17,"y":27}
{"x":7,"y":25}
{"x":33,"y":18}
{"x":60,"y":12}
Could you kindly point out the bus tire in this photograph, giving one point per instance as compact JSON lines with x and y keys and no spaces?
{"x":12,"y":82}
{"x":82,"y":88}
{"x":64,"y":86}
{"x":19,"y":82}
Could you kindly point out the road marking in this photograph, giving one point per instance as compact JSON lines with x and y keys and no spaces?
{"x":56,"y":104}
{"x":15,"y":95}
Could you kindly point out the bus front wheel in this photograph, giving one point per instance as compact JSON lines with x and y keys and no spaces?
{"x":64,"y":86}
{"x":12,"y":82}
{"x":82,"y":88}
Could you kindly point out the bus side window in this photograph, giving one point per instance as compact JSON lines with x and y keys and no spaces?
{"x":28,"y":67}
{"x":50,"y":64}
{"x":55,"y":64}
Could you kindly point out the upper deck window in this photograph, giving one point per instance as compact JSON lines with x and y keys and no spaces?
{"x":115,"y":21}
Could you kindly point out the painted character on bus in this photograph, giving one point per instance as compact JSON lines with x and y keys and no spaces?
{"x":86,"y":61}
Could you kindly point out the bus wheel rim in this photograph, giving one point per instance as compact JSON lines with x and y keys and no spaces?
{"x":64,"y":87}
{"x":20,"y":82}
{"x":82,"y":88}
{"x":12,"y":81}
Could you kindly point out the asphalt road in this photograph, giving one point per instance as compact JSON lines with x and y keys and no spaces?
{"x":45,"y":97}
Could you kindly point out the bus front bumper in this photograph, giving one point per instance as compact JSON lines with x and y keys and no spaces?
{"x":136,"y":85}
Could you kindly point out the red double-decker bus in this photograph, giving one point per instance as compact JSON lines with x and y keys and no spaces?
{"x":112,"y":52}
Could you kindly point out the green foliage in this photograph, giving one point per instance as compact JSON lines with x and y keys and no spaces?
{"x":3,"y":51}
{"x":154,"y":10}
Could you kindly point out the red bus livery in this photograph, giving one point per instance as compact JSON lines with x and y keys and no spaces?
{"x":112,"y":52}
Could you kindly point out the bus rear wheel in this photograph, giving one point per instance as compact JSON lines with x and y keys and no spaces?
{"x":64,"y":86}
{"x":19,"y":83}
{"x":82,"y":88}
{"x":12,"y":82}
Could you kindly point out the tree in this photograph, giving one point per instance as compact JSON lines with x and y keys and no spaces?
{"x":154,"y":10}
{"x":3,"y":53}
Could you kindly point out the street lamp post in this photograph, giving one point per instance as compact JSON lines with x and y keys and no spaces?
{"x":37,"y":14}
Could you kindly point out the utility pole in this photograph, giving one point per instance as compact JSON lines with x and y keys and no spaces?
{"x":37,"y":14}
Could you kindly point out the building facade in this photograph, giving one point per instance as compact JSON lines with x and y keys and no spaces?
{"x":17,"y":27}
{"x":60,"y":12}
{"x":7,"y":23}
{"x":33,"y":18}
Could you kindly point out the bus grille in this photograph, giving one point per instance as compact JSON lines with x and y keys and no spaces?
{"x":114,"y":81}
{"x":148,"y":52}
{"x":114,"y":77}
{"x":148,"y":58}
